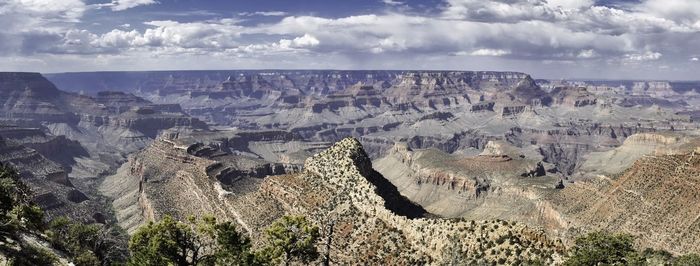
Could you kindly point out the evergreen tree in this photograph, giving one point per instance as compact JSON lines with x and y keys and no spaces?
{"x":600,"y":248}
{"x":204,"y":242}
{"x":291,"y":238}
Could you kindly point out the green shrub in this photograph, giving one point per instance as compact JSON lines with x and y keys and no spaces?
{"x":687,"y":260}
{"x":601,"y":248}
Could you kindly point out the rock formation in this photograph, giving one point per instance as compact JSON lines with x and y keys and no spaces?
{"x":563,"y":156}
{"x":338,"y":190}
{"x":65,"y":142}
{"x":655,"y":200}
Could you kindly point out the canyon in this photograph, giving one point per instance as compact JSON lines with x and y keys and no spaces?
{"x":403,"y":167}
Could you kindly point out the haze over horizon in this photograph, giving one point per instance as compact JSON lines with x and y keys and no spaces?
{"x":585,"y":39}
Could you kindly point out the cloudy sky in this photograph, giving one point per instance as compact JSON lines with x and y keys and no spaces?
{"x":613,"y":39}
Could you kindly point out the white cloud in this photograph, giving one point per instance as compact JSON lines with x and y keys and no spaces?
{"x":305,"y":41}
{"x":66,"y":10}
{"x":497,"y":10}
{"x":646,"y":56}
{"x":264,"y":13}
{"x":580,"y":15}
{"x":488,"y":52}
{"x":284,"y":46}
{"x":570,"y":4}
{"x":695,"y":59}
{"x":411,"y":34}
{"x":588,"y":53}
{"x":120,"y":5}
{"x":392,"y":2}
{"x":549,"y":32}
{"x":682,"y":11}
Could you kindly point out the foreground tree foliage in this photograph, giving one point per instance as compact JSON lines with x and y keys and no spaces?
{"x":18,"y":215}
{"x":206,"y":242}
{"x":20,"y":218}
{"x":688,"y":259}
{"x":602,"y":248}
{"x":291,"y":238}
{"x":17,"y":211}
{"x":87,"y":244}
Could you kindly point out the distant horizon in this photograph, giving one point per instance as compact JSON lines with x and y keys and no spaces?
{"x":388,"y":70}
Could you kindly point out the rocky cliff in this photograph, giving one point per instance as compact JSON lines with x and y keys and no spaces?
{"x":53,"y":190}
{"x":338,"y":190}
{"x":74,"y":140}
{"x":655,"y":200}
{"x":447,"y":110}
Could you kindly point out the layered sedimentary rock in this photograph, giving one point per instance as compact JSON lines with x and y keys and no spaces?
{"x":448,"y":110}
{"x":338,"y":190}
{"x":482,"y":145}
{"x":501,"y":182}
{"x":655,"y":200}
{"x":53,"y":190}
{"x":179,"y":176}
{"x":644,"y":187}
{"x":573,"y":97}
{"x":616,"y":160}
{"x":73,"y":140}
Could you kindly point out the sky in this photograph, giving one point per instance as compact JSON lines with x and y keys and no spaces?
{"x":599,"y":39}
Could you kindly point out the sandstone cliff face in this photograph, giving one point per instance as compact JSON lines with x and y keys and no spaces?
{"x":30,"y":96}
{"x":161,"y":180}
{"x":179,"y":179}
{"x":573,"y":97}
{"x":651,"y":200}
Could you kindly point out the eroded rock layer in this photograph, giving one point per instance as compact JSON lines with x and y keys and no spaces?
{"x":655,"y":200}
{"x":338,"y":190}
{"x":72,"y":141}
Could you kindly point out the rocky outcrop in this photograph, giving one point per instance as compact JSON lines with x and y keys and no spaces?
{"x":567,"y":147}
{"x":339,"y":191}
{"x":58,"y":149}
{"x":351,"y":201}
{"x":512,"y":110}
{"x":174,"y":177}
{"x":573,"y":97}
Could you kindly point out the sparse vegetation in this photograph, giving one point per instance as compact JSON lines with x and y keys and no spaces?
{"x":603,"y":248}
{"x":207,"y":242}
{"x":20,"y":218}
{"x":87,"y":244}
{"x":17,"y":212}
{"x":197,"y":242}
